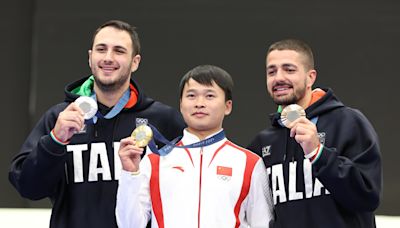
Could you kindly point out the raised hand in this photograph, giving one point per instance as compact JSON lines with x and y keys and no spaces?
{"x":305,"y":133}
{"x":130,"y":154}
{"x":68,"y":122}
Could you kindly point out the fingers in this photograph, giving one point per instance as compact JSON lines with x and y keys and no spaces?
{"x":305,"y":133}
{"x":73,"y":107}
{"x":302,"y":126}
{"x":127,"y":147}
{"x":69,"y":122}
{"x":130,"y":154}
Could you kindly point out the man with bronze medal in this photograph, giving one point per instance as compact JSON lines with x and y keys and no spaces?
{"x":71,"y":156}
{"x":322,"y":157}
{"x":200,"y":180}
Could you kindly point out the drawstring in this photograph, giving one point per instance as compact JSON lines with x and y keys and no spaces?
{"x":114,"y":130}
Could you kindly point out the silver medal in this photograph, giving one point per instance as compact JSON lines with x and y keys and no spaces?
{"x":88,"y":105}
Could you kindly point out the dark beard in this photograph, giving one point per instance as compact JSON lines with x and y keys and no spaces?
{"x":288,"y":101}
{"x":111,"y":87}
{"x":293,"y":99}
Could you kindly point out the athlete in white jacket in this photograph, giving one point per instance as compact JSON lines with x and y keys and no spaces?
{"x":218,"y":184}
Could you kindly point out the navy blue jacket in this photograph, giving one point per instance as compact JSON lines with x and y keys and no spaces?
{"x":81,"y":179}
{"x":342,"y":188}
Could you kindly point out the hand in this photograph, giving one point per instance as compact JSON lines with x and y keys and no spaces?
{"x":130,"y":154}
{"x":305,"y":133}
{"x":69,"y":122}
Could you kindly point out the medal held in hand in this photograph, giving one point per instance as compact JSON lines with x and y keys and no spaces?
{"x":142,"y":134}
{"x":291,"y":113}
{"x":88,"y":106}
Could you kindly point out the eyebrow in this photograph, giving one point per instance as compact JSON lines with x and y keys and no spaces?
{"x":195,"y":90}
{"x":114,"y":47}
{"x":288,"y":65}
{"x":283,"y":65}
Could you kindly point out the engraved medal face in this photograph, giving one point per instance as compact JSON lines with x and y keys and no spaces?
{"x":88,"y":106}
{"x":142,"y":134}
{"x":291,"y":113}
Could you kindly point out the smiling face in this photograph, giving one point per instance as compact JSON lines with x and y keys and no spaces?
{"x":288,"y":80}
{"x":112,"y":60}
{"x":204,"y":107}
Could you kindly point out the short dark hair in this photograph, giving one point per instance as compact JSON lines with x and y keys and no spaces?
{"x":206,"y":75}
{"x":124,"y":26}
{"x":295,"y":45}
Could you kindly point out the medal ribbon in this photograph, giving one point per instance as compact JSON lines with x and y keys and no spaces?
{"x":115,"y":110}
{"x":169,"y":145}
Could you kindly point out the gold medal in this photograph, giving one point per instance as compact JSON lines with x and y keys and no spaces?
{"x":142,"y":135}
{"x":291,"y":113}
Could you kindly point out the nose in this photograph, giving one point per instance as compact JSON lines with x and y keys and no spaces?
{"x":109,"y":56}
{"x":279,"y":75}
{"x":199,"y":103}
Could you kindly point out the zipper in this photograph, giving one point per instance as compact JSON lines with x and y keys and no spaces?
{"x":201,"y":172}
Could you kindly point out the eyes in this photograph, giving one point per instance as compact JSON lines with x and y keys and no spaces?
{"x":103,"y":49}
{"x":287,"y":68}
{"x":208,"y":96}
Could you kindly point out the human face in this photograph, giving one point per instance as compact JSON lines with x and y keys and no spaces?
{"x":288,"y":81}
{"x":112,"y":60}
{"x":203,"y":108}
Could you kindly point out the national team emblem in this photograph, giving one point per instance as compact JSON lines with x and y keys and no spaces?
{"x":224,"y":173}
{"x":141,"y":121}
{"x":266,"y":151}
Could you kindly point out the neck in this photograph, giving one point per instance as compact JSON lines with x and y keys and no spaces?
{"x":202,"y":134}
{"x":305,"y":102}
{"x":109,"y":98}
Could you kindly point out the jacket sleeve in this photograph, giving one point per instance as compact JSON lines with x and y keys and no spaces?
{"x":38,"y":168}
{"x":259,"y":211}
{"x":133,"y":208}
{"x":350,"y":167}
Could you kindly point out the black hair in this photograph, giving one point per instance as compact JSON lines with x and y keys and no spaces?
{"x":206,"y":75}
{"x":124,"y":26}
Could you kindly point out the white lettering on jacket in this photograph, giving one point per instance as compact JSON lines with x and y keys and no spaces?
{"x":278,"y":183}
{"x":98,"y":162}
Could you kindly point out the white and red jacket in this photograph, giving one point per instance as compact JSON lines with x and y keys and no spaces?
{"x":218,"y":186}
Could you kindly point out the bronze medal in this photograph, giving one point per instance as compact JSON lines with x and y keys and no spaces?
{"x":291,"y":113}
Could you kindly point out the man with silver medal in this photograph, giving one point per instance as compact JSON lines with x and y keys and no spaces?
{"x":71,"y":155}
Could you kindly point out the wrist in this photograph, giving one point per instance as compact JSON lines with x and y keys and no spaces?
{"x":131,"y":169}
{"x":135,"y":173}
{"x":315,"y":154}
{"x":312,"y":153}
{"x":57,"y":139}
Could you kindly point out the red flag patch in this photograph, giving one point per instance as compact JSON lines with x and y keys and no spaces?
{"x":226,"y":171}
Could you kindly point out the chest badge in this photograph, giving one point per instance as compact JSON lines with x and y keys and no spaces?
{"x":266,"y":151}
{"x":224,"y":173}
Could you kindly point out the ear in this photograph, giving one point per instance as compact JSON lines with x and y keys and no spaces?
{"x":90,"y":58}
{"x":135,"y":62}
{"x":228,"y":107}
{"x":311,"y":78}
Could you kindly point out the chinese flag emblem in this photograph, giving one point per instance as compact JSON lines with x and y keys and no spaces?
{"x":224,"y":171}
